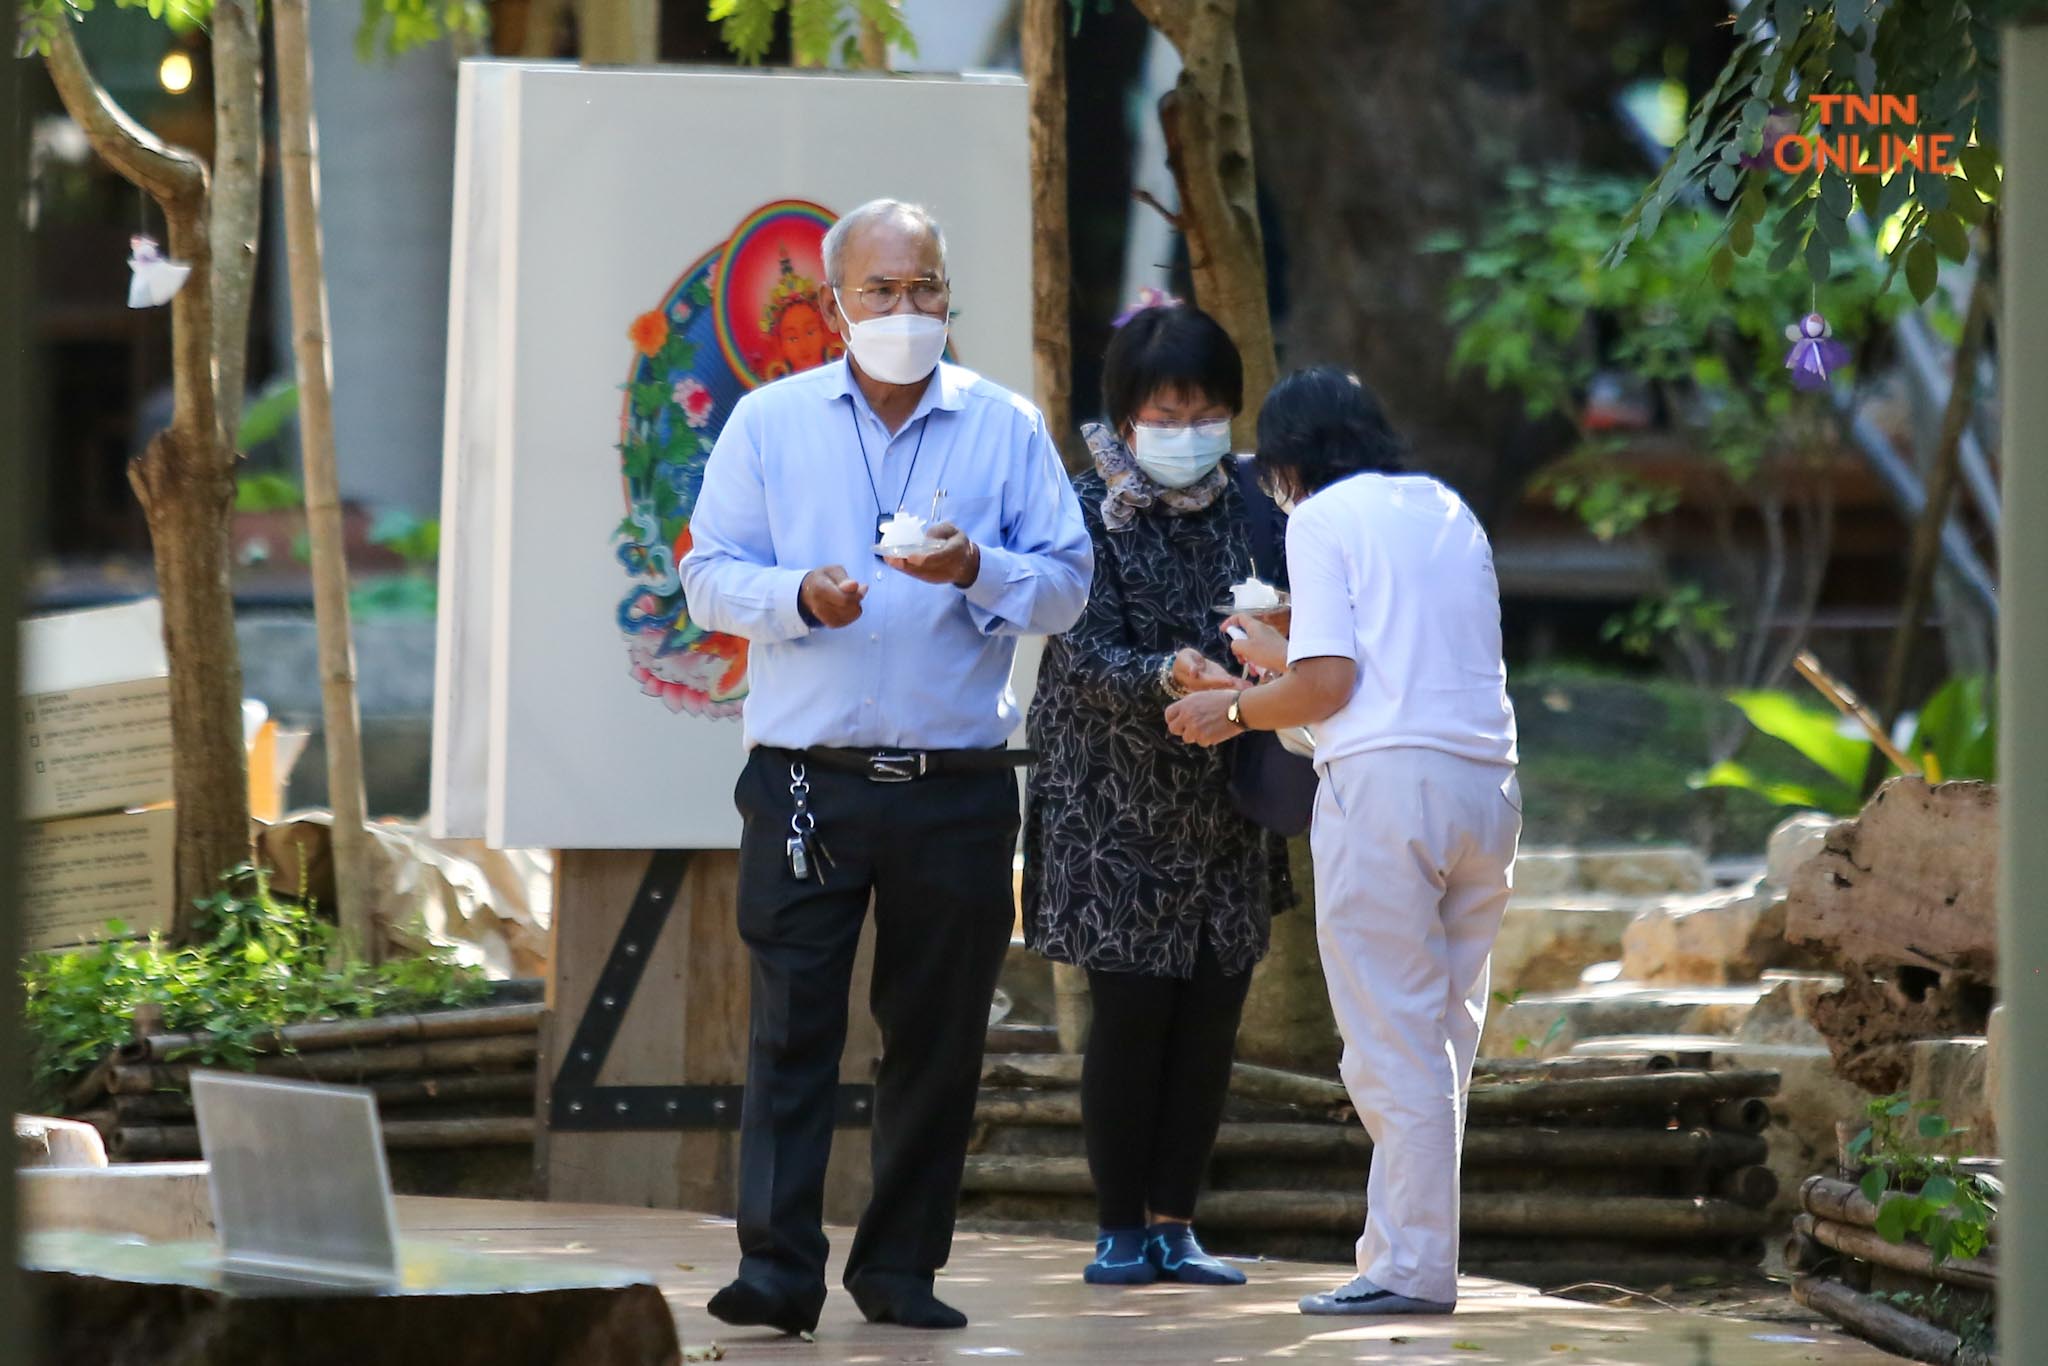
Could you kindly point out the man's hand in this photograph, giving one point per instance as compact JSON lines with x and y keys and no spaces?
{"x":1263,"y":647}
{"x":1194,"y":671}
{"x":1200,"y":718}
{"x":833,"y":597}
{"x":957,"y":561}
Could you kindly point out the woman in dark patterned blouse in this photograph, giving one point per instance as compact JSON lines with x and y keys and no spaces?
{"x":1136,"y":865}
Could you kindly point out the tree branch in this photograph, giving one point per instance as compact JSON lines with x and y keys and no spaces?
{"x":168,"y":174}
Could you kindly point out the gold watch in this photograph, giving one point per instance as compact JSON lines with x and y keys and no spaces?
{"x":1232,"y":715}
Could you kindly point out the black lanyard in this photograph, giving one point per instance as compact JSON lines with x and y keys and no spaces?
{"x":923,"y":426}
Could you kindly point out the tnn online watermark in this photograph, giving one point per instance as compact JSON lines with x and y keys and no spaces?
{"x":1848,"y":151}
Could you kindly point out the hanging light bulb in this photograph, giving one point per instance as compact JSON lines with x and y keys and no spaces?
{"x":175,"y":72}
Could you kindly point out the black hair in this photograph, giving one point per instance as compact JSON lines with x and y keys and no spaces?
{"x":1320,"y":425}
{"x":1176,"y":348}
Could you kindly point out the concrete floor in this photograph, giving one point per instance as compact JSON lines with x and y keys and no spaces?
{"x":1028,"y":1303}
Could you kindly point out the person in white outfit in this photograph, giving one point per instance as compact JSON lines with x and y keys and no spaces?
{"x":1393,"y":655}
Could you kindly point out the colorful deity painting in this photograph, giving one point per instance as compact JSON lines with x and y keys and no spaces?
{"x":747,"y":312}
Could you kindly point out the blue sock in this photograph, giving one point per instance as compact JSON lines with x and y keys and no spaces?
{"x":1120,"y":1259}
{"x":1173,"y":1249}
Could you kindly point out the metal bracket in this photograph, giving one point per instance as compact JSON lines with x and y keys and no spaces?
{"x":578,"y":1104}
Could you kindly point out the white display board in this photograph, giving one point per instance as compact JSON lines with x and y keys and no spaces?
{"x":633,"y":251}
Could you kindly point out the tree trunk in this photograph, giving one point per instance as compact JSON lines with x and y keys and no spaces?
{"x":1379,"y":124}
{"x":354,"y":855}
{"x":1925,"y":558}
{"x":619,"y":32}
{"x":1044,"y":39}
{"x":237,"y":196}
{"x":1209,"y":148}
{"x":874,"y":48}
{"x":543,"y":27}
{"x":185,"y":481}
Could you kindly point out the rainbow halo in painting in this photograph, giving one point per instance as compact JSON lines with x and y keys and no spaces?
{"x":748,"y":311}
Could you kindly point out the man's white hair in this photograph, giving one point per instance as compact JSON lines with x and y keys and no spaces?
{"x":877,"y":211}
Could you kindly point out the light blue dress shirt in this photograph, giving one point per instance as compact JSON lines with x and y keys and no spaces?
{"x":800,"y":478}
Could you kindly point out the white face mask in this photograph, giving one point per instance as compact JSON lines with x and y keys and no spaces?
{"x":1175,"y":457}
{"x":898,"y":348}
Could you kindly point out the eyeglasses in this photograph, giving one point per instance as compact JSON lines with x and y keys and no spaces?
{"x":1208,"y":428}
{"x":926,"y":294}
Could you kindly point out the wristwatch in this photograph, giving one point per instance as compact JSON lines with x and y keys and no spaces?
{"x":1232,"y":715}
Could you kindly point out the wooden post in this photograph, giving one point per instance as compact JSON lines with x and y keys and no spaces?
{"x":2023,"y":652}
{"x":685,"y":1025}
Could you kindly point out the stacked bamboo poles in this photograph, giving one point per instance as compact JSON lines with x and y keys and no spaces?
{"x":1841,"y":1258}
{"x":442,"y":1079}
{"x":1582,"y":1169}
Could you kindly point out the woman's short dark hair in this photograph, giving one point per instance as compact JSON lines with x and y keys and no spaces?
{"x":1177,"y":349}
{"x":1322,"y":424}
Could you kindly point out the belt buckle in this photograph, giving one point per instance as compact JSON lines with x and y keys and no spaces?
{"x":895,"y":766}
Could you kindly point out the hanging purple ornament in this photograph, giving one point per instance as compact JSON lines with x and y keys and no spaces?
{"x":1148,"y":297}
{"x":1815,"y":354}
{"x":1779,"y":124}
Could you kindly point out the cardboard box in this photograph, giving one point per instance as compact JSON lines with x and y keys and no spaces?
{"x":77,"y":875}
{"x":95,"y":712}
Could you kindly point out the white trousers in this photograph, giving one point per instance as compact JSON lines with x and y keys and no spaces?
{"x":1414,"y":858}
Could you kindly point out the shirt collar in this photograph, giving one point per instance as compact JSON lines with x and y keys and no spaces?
{"x":948,"y":390}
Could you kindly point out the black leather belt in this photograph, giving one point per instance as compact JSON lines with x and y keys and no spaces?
{"x":908,"y":765}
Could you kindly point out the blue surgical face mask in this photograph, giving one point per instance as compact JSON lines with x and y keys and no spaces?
{"x":1175,"y":457}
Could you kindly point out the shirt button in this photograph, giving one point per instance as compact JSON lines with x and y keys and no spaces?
{"x":875,"y":636}
{"x":867,"y":701}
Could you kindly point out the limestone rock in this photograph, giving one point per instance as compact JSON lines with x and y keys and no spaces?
{"x":1903,"y":900}
{"x":1546,"y":944}
{"x":1546,"y":872}
{"x":1953,"y":1075}
{"x":1784,"y":1014}
{"x":163,"y":1202}
{"x":1644,"y":872}
{"x":1717,"y":937}
{"x":40,"y":1141}
{"x":1548,"y":1025}
{"x":1797,"y":839}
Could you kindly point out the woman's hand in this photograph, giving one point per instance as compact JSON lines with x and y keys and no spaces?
{"x":1194,"y":671}
{"x":1203,"y":718}
{"x":1262,"y":648}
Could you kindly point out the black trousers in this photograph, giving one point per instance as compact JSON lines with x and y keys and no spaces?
{"x":935,"y":855}
{"x":1153,"y":1085}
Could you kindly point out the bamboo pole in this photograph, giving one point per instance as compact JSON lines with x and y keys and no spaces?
{"x":349,"y":1065}
{"x":182,"y":1141}
{"x":1749,"y":1115}
{"x":1755,"y":1186}
{"x":1602,"y":1093}
{"x":1516,"y":1145}
{"x":355,"y":852}
{"x":326,"y":1034}
{"x":1844,"y":1203}
{"x":1047,"y":1109}
{"x":1557,"y":1069}
{"x":1877,"y":1322}
{"x":1499,"y":1213}
{"x":1968,"y":1273}
{"x":400,"y":1093}
{"x":1851,"y":706}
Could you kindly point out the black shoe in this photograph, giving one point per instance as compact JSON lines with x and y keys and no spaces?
{"x":905,"y":1304}
{"x":744,"y":1305}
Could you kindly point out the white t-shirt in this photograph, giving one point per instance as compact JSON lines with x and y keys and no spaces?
{"x":1395,"y":573}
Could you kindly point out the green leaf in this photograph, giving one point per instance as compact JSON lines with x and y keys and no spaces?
{"x":1939,"y":1191}
{"x":1922,"y":270}
{"x":1951,"y":238}
{"x":1782,"y":254}
{"x":1810,"y":732}
{"x":1858,"y":1143}
{"x":1872,"y":1185}
{"x":1819,"y":263}
{"x":1722,"y":181}
{"x":1980,"y":165}
{"x":1896,"y":1217}
{"x":1933,"y":1126}
{"x":1722,"y":266}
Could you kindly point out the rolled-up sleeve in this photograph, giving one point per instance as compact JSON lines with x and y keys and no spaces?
{"x":1319,"y":592}
{"x":1035,"y":582}
{"x":730,"y":579}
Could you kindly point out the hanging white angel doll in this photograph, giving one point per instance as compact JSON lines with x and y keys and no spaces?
{"x":156,"y":279}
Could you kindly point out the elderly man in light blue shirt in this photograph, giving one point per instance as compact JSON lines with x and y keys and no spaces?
{"x":878,"y":706}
